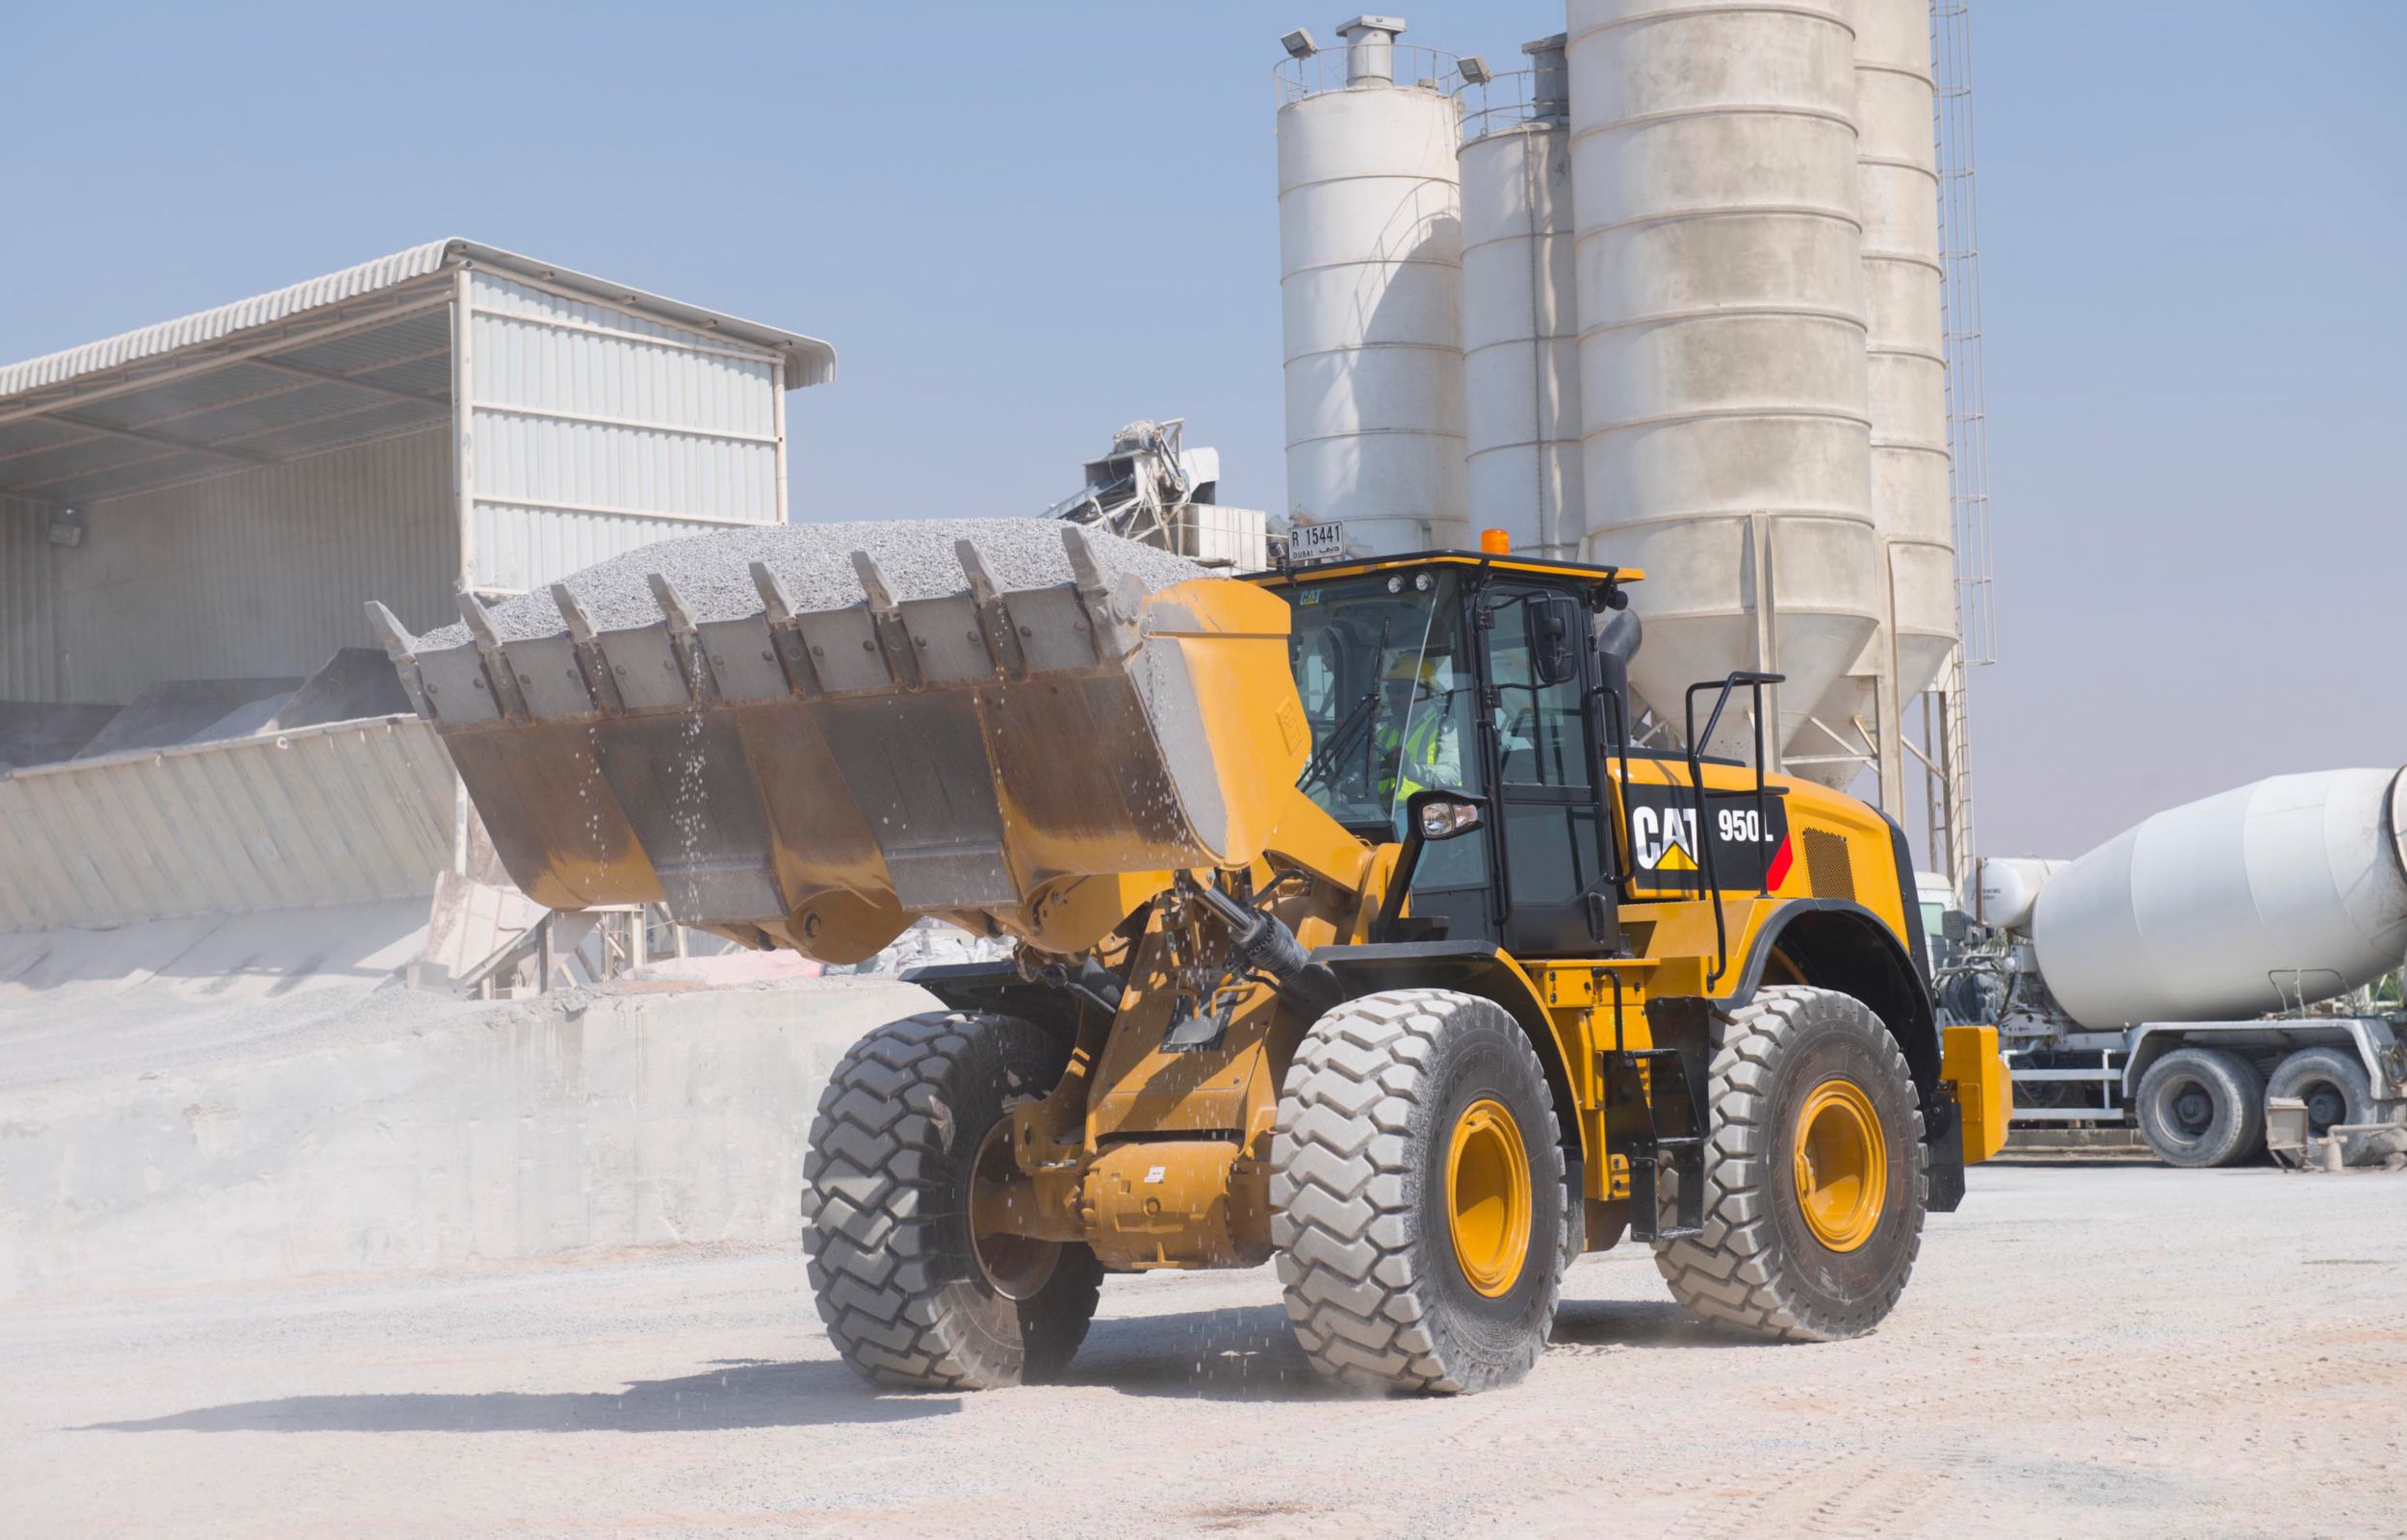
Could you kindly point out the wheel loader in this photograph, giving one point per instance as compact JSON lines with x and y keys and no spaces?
{"x":1352,"y":929}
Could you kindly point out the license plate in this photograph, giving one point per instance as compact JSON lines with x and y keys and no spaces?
{"x":1317,"y":542}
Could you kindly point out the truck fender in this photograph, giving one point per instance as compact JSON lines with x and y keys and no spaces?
{"x":1842,"y":945}
{"x":1472,"y":967}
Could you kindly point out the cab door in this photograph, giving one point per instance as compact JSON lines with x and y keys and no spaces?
{"x":1549,"y":822}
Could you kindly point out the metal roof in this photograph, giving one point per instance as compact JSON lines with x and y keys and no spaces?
{"x":347,"y":358}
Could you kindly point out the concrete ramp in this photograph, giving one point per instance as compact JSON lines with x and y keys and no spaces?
{"x":175,"y":712}
{"x":355,"y":682}
{"x":38,"y":733}
{"x":347,"y":812}
{"x":242,"y":722}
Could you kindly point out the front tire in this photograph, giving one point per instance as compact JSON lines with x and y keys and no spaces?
{"x":1814,"y":1192}
{"x":1417,"y":1195}
{"x":2201,"y":1107}
{"x":910,"y":1297}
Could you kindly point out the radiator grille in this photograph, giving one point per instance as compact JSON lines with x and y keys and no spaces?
{"x":1827,"y":864}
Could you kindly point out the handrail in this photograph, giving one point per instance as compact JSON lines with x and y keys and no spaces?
{"x":1504,"y":101}
{"x":1412,"y":67}
{"x":1708,"y":881}
{"x":1620,"y":869}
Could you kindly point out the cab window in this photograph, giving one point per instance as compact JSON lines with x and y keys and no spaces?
{"x":1386,"y":677}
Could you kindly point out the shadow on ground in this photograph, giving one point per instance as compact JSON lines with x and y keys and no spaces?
{"x":1246,"y":1354}
{"x":1638,"y":1324}
{"x":1251,"y":1354}
{"x":1240,"y":1355}
{"x":734,"y":1394}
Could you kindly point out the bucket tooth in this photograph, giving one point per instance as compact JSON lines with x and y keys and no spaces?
{"x":672,"y":606}
{"x":996,"y":627}
{"x":498,"y":676}
{"x":694,"y":660}
{"x":893,"y":636}
{"x":399,"y":645}
{"x":1114,"y":636}
{"x":786,"y":638}
{"x":403,"y":649}
{"x":591,"y":662}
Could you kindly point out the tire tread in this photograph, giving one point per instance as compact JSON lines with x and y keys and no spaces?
{"x":868,"y":1236}
{"x":1341,"y":1192}
{"x":1728,"y":1275}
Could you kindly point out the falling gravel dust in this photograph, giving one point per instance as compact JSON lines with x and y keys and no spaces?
{"x":2109,"y":1349}
{"x":713,"y":573}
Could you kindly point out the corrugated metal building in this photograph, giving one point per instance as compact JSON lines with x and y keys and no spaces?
{"x":242,"y":479}
{"x":216,"y":498}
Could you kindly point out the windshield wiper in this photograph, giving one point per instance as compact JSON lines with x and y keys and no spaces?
{"x":1332,"y":749}
{"x":1358,"y":719}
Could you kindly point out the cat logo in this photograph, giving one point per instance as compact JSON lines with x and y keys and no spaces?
{"x":1665,"y":839}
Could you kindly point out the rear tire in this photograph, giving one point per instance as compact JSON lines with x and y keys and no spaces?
{"x":2201,"y":1107}
{"x":2333,"y":1085}
{"x":895,"y":1270}
{"x":1801,"y":1080}
{"x":1417,"y":1195}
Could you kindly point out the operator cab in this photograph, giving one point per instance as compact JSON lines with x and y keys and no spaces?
{"x":1478,"y":676}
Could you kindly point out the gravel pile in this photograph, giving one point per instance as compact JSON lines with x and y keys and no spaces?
{"x":713,"y":573}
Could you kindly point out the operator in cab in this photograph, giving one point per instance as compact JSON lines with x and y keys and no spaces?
{"x":1418,"y":746}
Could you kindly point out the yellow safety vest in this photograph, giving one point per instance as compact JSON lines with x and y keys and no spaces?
{"x":1419,"y":752}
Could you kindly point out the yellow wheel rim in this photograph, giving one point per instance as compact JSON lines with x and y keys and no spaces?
{"x":1842,"y":1164}
{"x":1488,"y":1196}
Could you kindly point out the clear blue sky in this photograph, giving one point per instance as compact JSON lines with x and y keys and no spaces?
{"x":1022,"y":226}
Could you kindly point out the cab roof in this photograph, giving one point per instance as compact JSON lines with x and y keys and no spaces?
{"x":1486,"y":560}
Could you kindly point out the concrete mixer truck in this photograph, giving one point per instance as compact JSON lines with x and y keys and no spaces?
{"x":2210,"y":958}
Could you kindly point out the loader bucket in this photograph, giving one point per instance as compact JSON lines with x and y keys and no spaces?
{"x":817,"y":778}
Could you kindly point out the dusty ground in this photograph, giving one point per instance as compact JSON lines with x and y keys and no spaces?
{"x":2119,"y":1350}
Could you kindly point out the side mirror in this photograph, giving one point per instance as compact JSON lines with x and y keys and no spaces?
{"x":1556,"y":623}
{"x":1437,"y":815}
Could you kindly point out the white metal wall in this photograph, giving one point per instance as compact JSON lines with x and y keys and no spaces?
{"x":260,"y":573}
{"x":28,"y":614}
{"x":588,"y":431}
{"x":253,"y":574}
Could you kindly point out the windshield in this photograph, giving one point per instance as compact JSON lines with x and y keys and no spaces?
{"x":1387,"y":686}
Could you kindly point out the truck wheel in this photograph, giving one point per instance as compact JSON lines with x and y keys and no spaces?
{"x":911,"y":1298}
{"x":1813,"y":1175}
{"x":2200,"y":1106}
{"x":2333,"y":1085}
{"x":1417,"y":1197}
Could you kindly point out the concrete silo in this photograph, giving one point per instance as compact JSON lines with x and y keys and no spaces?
{"x":1520,"y":318}
{"x":1371,"y":282}
{"x":1898,"y":192}
{"x":1727,"y":446}
{"x":1898,"y":179}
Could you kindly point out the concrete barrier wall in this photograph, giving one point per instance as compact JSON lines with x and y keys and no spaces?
{"x":349,"y":812}
{"x":434,"y":1137}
